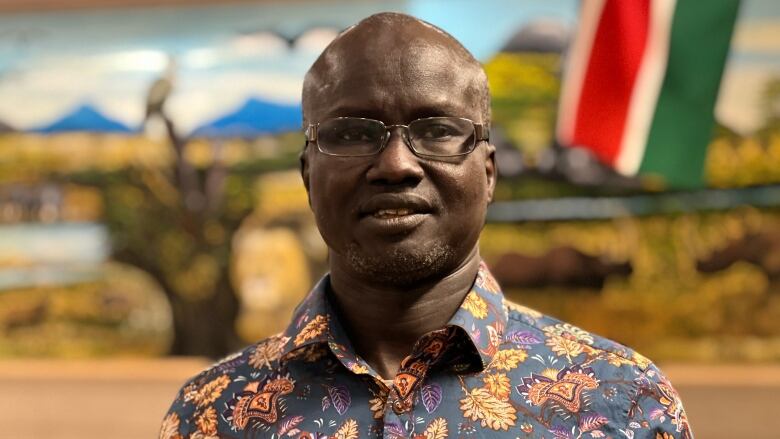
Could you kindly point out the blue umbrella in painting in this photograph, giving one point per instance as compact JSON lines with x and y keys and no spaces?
{"x":254,"y":118}
{"x":84,"y":118}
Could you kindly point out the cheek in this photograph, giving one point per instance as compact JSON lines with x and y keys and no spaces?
{"x":463,"y":190}
{"x":331,"y":194}
{"x":466,"y":187}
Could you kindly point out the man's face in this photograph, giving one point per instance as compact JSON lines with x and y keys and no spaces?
{"x":395,"y":217}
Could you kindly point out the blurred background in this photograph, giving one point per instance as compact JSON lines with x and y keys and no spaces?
{"x":152,"y":217}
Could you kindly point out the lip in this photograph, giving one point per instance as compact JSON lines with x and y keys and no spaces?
{"x":370,"y":213}
{"x":395,"y":201}
{"x":398,"y":225}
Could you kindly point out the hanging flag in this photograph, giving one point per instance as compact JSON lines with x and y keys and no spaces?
{"x":641,"y":84}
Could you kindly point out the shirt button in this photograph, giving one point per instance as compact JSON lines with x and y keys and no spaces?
{"x":400,"y":407}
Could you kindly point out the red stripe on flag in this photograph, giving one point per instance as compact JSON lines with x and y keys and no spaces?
{"x":616,"y":54}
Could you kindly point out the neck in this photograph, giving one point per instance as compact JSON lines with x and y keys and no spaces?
{"x":384,"y":321}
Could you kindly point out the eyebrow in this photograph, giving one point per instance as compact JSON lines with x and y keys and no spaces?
{"x":416,"y":113}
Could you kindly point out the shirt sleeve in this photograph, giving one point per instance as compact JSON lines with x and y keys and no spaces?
{"x":656,"y":411}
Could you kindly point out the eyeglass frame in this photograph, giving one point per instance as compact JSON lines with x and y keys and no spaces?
{"x":481,"y":133}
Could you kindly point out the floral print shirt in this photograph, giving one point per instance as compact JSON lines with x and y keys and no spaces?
{"x":496,"y":369}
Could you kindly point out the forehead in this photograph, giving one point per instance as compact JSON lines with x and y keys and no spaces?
{"x":395,"y":81}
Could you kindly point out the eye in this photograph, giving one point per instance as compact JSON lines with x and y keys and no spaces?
{"x":437,"y":132}
{"x":353,"y":135}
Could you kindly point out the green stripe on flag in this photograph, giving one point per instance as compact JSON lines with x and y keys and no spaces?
{"x":683,"y":121}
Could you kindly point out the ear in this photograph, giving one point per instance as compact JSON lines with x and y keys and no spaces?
{"x":491,"y":171}
{"x":303,"y":160}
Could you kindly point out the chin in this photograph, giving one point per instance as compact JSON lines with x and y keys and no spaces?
{"x":402,"y":266}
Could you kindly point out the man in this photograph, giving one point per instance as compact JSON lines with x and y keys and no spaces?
{"x":409,"y":335}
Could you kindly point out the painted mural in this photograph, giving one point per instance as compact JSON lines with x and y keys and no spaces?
{"x":148,"y":183}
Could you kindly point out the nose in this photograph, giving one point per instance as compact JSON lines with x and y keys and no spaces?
{"x":395,"y":164}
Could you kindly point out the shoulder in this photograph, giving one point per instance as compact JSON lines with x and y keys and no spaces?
{"x":640,"y":399}
{"x":568,"y":339}
{"x":198,"y":405}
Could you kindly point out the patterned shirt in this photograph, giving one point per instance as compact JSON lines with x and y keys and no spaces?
{"x":496,"y":369}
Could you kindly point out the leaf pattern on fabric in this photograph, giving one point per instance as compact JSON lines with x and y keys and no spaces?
{"x":312,"y":330}
{"x":508,"y":359}
{"x":522,"y":337}
{"x":395,"y":430}
{"x":493,"y":368}
{"x":592,"y":421}
{"x":475,"y":305}
{"x":348,"y":430}
{"x":431,"y":395}
{"x":289,"y":424}
{"x":340,"y":397}
{"x":499,"y":385}
{"x":268,"y":351}
{"x":170,"y":427}
{"x":564,"y":347}
{"x":211,"y":391}
{"x":437,"y":429}
{"x":570,"y":332}
{"x":207,"y":422}
{"x":480,"y":405}
{"x":378,"y":403}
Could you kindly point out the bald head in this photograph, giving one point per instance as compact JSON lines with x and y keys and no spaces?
{"x":387,"y":52}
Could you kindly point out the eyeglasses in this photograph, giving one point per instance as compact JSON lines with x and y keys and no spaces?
{"x":426,"y":137}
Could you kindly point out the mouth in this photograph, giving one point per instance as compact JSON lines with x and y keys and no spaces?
{"x":395,"y":213}
{"x":394,"y":205}
{"x":392,"y":213}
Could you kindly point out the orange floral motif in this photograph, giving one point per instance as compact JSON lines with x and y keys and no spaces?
{"x":261,"y":404}
{"x":268,"y":351}
{"x":569,"y":332}
{"x":209,"y":392}
{"x":480,"y":405}
{"x":642,"y":361}
{"x":566,"y":389}
{"x":309,"y":354}
{"x":617,"y":360}
{"x":358,"y":368}
{"x":671,"y":401}
{"x":508,"y":359}
{"x":488,"y":370}
{"x":475,"y":305}
{"x":207,"y":422}
{"x":498,"y":384}
{"x":378,"y":403}
{"x":170,"y":427}
{"x":564,"y":346}
{"x":437,"y":429}
{"x":348,"y":430}
{"x":313,"y":329}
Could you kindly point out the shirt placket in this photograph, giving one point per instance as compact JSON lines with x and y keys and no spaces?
{"x":399,"y":419}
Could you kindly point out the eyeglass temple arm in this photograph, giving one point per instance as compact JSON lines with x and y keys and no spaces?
{"x":482,"y":132}
{"x":311,"y":133}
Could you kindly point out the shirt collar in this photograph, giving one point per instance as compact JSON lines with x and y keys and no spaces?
{"x":482,"y":317}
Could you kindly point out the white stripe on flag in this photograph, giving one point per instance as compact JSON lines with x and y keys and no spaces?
{"x":576,"y":67}
{"x":647,"y":88}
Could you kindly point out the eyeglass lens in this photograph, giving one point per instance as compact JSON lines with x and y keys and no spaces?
{"x":436,"y":136}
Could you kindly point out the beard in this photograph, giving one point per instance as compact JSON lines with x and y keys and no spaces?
{"x":402,"y":267}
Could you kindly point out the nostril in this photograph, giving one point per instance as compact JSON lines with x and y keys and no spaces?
{"x":405,"y":182}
